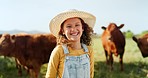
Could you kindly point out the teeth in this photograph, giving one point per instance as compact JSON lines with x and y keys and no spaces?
{"x":74,"y":34}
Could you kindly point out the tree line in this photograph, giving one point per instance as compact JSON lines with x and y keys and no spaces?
{"x":130,"y":34}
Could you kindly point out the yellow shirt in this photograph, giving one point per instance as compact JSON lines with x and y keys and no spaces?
{"x":56,"y":62}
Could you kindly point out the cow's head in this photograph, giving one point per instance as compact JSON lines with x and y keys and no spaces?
{"x":111,"y":30}
{"x":6,"y":43}
{"x":142,"y":43}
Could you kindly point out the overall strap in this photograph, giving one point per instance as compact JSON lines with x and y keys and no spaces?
{"x":84,"y":47}
{"x":65,"y":49}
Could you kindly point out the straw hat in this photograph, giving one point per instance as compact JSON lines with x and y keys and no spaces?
{"x":56,"y":22}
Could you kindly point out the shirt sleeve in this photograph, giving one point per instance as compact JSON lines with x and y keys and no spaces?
{"x":53,"y":63}
{"x":91,"y":54}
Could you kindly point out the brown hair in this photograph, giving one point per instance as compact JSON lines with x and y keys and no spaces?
{"x":85,"y":38}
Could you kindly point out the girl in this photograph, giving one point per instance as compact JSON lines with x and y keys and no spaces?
{"x":73,"y":56}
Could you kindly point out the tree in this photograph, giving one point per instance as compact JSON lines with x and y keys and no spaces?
{"x":129,"y":34}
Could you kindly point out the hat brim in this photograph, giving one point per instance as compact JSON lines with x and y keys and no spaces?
{"x":56,"y":22}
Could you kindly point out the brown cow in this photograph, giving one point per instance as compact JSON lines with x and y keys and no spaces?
{"x":142,"y":43}
{"x":18,"y":65}
{"x":32,"y":50}
{"x":113,"y":42}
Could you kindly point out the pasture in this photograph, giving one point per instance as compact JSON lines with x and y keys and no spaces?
{"x":135,"y":66}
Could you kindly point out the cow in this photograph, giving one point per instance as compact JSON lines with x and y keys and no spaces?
{"x":142,"y":43}
{"x":30,"y":50}
{"x":113,"y":42}
{"x":18,"y":65}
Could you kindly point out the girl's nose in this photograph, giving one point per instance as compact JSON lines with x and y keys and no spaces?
{"x":73,"y":29}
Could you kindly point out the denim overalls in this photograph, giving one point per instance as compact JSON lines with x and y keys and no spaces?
{"x":76,"y":66}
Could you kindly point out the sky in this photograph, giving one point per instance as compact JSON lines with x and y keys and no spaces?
{"x":29,"y":15}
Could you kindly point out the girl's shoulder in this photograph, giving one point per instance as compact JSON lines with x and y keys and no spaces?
{"x":58,"y":49}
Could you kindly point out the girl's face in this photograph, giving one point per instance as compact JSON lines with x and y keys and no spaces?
{"x":72,"y":29}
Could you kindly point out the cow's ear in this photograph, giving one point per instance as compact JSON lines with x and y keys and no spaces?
{"x":104,"y":28}
{"x":120,"y":26}
{"x":0,"y":35}
{"x":13,"y":38}
{"x":135,"y":39}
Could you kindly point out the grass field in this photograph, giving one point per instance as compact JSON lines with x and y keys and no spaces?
{"x":135,"y":66}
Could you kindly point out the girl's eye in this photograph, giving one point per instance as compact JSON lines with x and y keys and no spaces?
{"x":77,"y":25}
{"x":68,"y":26}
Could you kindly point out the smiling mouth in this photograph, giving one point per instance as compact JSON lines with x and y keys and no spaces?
{"x":74,"y":34}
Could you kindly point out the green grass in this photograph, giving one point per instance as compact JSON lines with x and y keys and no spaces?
{"x":135,"y":66}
